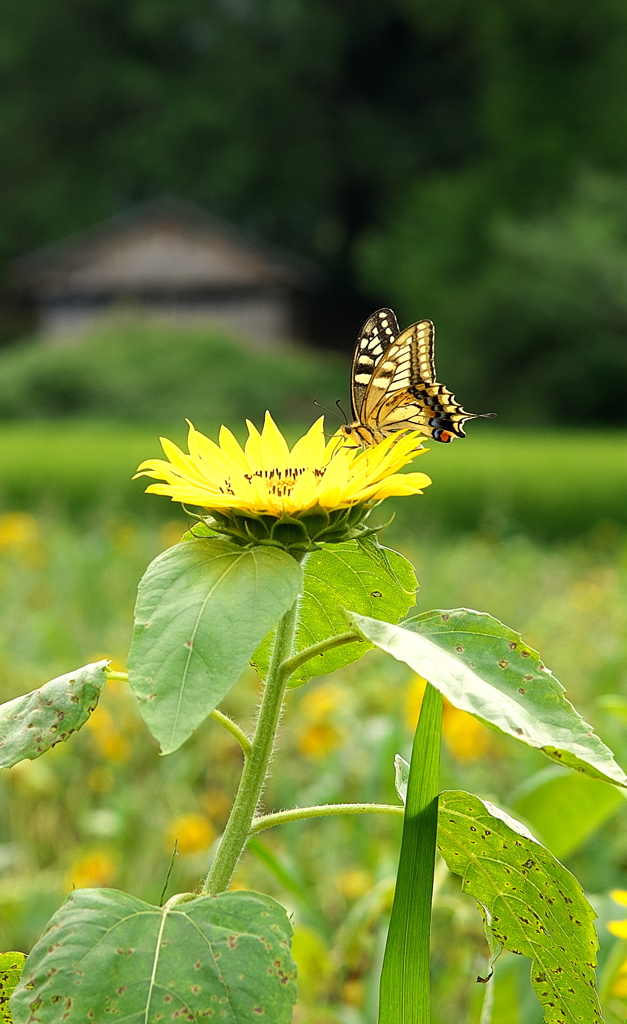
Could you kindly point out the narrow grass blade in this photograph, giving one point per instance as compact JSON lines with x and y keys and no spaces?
{"x":404,"y":997}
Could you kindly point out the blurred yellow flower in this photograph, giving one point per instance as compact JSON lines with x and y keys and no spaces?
{"x":96,"y":868}
{"x":317,"y":740}
{"x":319,"y":734}
{"x":354,"y":882}
{"x":192,"y":832}
{"x":318,"y":703}
{"x":413,"y":701}
{"x":466,"y":738}
{"x":266,"y":477}
{"x":619,"y":928}
{"x":353,"y":992}
{"x":109,"y":740}
{"x":17,"y":530}
{"x":618,"y":986}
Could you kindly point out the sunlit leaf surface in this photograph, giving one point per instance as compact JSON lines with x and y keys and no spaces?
{"x":484,"y":667}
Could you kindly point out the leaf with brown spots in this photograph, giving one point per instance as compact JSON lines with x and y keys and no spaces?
{"x":35,"y":722}
{"x":531,"y":903}
{"x":107,"y":956}
{"x":11,"y":965}
{"x":497,"y":678}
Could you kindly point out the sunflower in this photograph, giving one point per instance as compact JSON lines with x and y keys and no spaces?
{"x":324,"y":484}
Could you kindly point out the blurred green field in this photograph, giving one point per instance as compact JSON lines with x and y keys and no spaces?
{"x":547,"y":483}
{"x":104,"y":808}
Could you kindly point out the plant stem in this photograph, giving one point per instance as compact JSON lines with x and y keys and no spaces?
{"x":405,"y":996}
{"x":321,"y":648}
{"x":256,"y":764}
{"x":233,"y":728}
{"x":321,"y":811}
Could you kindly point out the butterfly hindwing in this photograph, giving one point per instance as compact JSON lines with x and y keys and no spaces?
{"x":378,"y":333}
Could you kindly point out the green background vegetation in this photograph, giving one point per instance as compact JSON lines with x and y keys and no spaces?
{"x":462,"y":161}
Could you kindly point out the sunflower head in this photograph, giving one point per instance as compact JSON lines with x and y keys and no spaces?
{"x":265,"y":493}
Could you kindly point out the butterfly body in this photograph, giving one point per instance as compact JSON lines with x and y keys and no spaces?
{"x":393,"y":385}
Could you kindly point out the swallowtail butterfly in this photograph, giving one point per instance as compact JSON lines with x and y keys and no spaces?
{"x":393,"y":385}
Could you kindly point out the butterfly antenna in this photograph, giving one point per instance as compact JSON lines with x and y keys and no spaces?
{"x":331,"y":412}
{"x":342,"y":411}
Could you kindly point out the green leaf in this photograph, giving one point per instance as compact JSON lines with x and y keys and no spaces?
{"x":405,"y":978}
{"x":532,"y":904}
{"x":337,"y":576}
{"x":564,"y":809}
{"x":483,"y":667}
{"x":11,"y":965}
{"x":202,"y":609}
{"x":106,"y":955}
{"x":35,"y":722}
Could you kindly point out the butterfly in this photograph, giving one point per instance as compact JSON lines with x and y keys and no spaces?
{"x":393,"y":385}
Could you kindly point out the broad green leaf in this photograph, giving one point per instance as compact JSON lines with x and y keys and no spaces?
{"x":532,"y":904}
{"x":483,"y":667}
{"x":11,"y":965}
{"x":106,"y":955}
{"x":202,"y":609}
{"x":564,"y":809}
{"x":344,"y":575}
{"x":33,"y":723}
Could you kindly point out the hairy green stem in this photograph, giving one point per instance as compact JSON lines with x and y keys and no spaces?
{"x":321,"y":648}
{"x":255,"y":769}
{"x":321,"y":811}
{"x":122,"y":676}
{"x":233,"y":728}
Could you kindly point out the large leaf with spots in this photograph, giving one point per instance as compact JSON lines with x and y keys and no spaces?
{"x":532,"y":904}
{"x":109,"y":956}
{"x":202,"y":609}
{"x":11,"y":965}
{"x":484,"y":667}
{"x":374,"y":581}
{"x":36,"y":721}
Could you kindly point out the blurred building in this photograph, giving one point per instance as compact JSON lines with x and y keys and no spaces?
{"x":168,"y":260}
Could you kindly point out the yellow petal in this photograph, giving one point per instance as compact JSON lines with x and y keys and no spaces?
{"x":274,"y":450}
{"x":309,"y":449}
{"x":619,"y":896}
{"x":618,"y":928}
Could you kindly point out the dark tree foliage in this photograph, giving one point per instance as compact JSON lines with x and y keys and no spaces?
{"x":401,"y":145}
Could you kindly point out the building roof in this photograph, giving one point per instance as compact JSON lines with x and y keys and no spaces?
{"x":162,"y":244}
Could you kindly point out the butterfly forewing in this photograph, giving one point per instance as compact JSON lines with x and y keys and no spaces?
{"x":407,"y":361}
{"x":378,"y":333}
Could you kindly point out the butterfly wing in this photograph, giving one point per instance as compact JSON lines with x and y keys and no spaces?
{"x":378,"y":333}
{"x":403,"y":393}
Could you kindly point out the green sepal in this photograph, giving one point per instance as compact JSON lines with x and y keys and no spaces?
{"x":292,"y":533}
